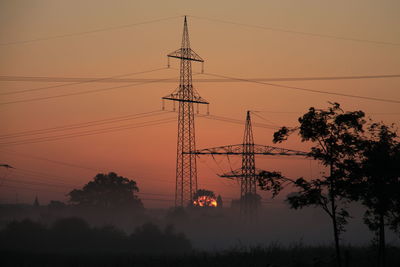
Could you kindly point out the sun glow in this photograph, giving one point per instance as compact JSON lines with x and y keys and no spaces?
{"x":205,"y":201}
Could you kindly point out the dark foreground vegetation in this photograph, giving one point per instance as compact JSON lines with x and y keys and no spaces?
{"x":296,"y":256}
{"x":73,"y":242}
{"x":74,"y":235}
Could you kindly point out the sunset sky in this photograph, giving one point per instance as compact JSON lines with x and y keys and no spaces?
{"x":99,"y":39}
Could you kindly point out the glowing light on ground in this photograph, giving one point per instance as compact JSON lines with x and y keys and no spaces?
{"x":205,"y":201}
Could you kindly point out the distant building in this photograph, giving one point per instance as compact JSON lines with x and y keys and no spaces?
{"x":220,"y":203}
{"x":36,"y":202}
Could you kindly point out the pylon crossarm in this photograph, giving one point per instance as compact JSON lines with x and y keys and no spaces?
{"x":176,"y":98}
{"x":239,"y":150}
{"x":271,"y":150}
{"x":238,"y":173}
{"x":186,"y":54}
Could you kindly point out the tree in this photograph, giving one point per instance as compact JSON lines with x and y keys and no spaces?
{"x":335,"y":136}
{"x":204,"y":198}
{"x":108,"y":191}
{"x":377,"y":182}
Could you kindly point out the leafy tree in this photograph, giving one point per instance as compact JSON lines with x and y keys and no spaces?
{"x":107,"y":191}
{"x":335,"y":136}
{"x":377,"y":182}
{"x":204,"y":198}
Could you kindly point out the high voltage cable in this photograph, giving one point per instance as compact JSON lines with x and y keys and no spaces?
{"x":68,"y":164}
{"x":63,"y":163}
{"x":36,"y":183}
{"x":78,"y":93}
{"x":298,"y":32}
{"x":75,"y":80}
{"x":32,"y":189}
{"x":81,"y":125}
{"x":210,"y":74}
{"x":90,"y":132}
{"x":265,"y":119}
{"x":309,"y":90}
{"x":87,"y":32}
{"x":301,"y":112}
{"x":92,"y":80}
{"x":236,"y":121}
{"x":42,"y":176}
{"x":42,"y":190}
{"x":232,"y":120}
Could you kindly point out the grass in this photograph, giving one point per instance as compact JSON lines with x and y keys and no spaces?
{"x":271,"y":256}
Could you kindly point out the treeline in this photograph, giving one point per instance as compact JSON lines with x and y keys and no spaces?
{"x":72,"y":235}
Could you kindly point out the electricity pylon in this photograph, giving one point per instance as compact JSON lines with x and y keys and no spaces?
{"x":186,"y":96}
{"x":248,"y":173}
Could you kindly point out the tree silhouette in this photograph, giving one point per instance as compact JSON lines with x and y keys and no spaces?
{"x":335,"y":136}
{"x":376,"y":183}
{"x":108,"y":191}
{"x":75,"y":235}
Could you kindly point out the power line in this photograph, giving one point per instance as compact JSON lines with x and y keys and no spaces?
{"x":68,"y":164}
{"x":90,"y":132}
{"x":265,"y":119}
{"x":36,"y":183}
{"x":320,"y":35}
{"x":309,"y":90}
{"x":301,"y":112}
{"x":42,"y":190}
{"x":76,"y":80}
{"x":236,"y":121}
{"x":81,"y":125}
{"x":47,"y":177}
{"x":92,"y":80}
{"x":51,"y":176}
{"x":77,"y":93}
{"x":232,"y":120}
{"x":32,"y":189}
{"x":87,"y":32}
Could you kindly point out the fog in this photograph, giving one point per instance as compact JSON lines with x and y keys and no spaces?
{"x":213,"y":229}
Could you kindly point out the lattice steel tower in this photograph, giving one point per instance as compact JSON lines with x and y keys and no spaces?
{"x":248,"y":173}
{"x":248,"y":181}
{"x":186,"y":96}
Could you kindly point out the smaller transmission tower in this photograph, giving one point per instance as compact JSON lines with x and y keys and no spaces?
{"x":248,"y":173}
{"x":186,"y":96}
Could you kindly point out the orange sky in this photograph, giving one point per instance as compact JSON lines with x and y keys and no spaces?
{"x":148,"y":154}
